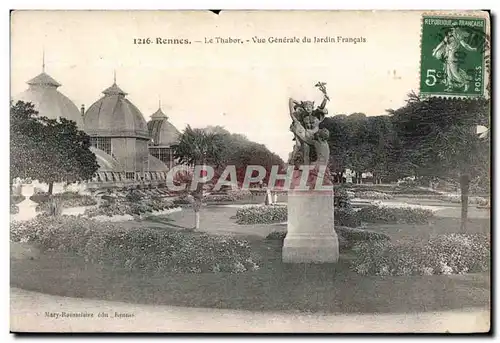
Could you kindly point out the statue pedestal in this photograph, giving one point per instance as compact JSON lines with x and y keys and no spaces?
{"x":27,"y":207}
{"x":311,"y":236}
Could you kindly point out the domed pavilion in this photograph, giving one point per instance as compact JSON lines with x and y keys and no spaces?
{"x":163,"y":136}
{"x":43,"y":93}
{"x":118,"y":128}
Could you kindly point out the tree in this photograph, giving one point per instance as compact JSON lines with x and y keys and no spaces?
{"x":198,"y":147}
{"x":237,"y":150}
{"x":438,"y":138}
{"x":339,"y":144}
{"x":48,"y":150}
{"x":380,"y":139}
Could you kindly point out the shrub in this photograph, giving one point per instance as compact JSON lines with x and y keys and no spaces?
{"x":184,"y":200}
{"x":40,"y":197}
{"x":123,"y":207}
{"x":228,"y":196}
{"x":352,"y":236}
{"x":138,"y":248}
{"x":54,"y":207}
{"x":276,"y":235}
{"x":65,"y":200}
{"x":346,"y":217}
{"x":220,"y":198}
{"x":16,"y":199}
{"x":13,"y":208}
{"x":348,"y":237}
{"x":240,"y":193}
{"x":269,"y":214}
{"x":374,"y":195}
{"x":341,"y":198}
{"x":414,"y":191}
{"x":444,"y":254}
{"x":133,"y":196}
{"x":391,"y":215}
{"x":262,"y":214}
{"x":455,"y":198}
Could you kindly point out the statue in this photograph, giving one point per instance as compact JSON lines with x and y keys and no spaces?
{"x":305,"y":124}
{"x":311,"y":237}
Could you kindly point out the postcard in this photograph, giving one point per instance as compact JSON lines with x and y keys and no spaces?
{"x":250,"y":171}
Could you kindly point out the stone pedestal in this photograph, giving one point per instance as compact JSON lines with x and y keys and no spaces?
{"x":27,"y":207}
{"x":311,"y":237}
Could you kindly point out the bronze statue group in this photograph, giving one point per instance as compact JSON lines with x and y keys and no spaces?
{"x":311,"y":141}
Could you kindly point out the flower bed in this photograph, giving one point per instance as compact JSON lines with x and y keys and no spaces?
{"x":444,"y":254}
{"x":121,"y":207}
{"x":137,"y":248}
{"x":394,"y":215}
{"x":348,"y":237}
{"x":228,"y":196}
{"x":415,"y":192}
{"x":346,"y":217}
{"x":455,"y":198}
{"x":373,"y":195}
{"x":352,"y":236}
{"x":262,"y":214}
{"x":63,"y":200}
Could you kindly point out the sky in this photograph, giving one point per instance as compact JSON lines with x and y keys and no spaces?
{"x":242,"y":87}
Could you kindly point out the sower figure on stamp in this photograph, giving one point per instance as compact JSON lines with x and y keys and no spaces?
{"x":305,"y":121}
{"x":448,"y":51}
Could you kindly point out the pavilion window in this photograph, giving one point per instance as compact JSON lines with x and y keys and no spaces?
{"x":102,"y":143}
{"x":163,"y":154}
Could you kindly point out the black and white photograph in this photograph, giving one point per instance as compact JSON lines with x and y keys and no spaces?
{"x":250,"y":171}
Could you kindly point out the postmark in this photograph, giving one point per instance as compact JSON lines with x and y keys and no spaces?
{"x":453,"y":52}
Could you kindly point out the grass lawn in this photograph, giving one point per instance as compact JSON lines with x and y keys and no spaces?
{"x":275,"y":287}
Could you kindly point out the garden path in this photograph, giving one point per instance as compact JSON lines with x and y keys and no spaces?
{"x":219,"y":219}
{"x":213,"y":219}
{"x":441,"y":209}
{"x":28,"y":311}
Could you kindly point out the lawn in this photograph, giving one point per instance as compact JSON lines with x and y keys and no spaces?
{"x":275,"y":287}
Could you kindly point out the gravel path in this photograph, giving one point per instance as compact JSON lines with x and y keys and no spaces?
{"x":31,"y":311}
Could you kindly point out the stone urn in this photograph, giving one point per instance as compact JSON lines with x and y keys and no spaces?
{"x":27,"y":207}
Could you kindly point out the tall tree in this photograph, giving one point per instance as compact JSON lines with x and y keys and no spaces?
{"x":360,"y":149}
{"x":198,"y":147}
{"x":380,"y":138}
{"x":48,"y":150}
{"x":239,"y":151}
{"x":438,"y":136}
{"x":339,"y":142}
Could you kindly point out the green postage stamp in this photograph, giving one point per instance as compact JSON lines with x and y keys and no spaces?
{"x":453,"y":53}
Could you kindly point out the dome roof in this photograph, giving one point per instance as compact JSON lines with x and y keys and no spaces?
{"x":48,"y":101}
{"x":162,"y":132}
{"x":106,"y":162}
{"x":114,"y":115}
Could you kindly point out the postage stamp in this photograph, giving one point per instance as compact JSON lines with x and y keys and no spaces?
{"x":453,"y":51}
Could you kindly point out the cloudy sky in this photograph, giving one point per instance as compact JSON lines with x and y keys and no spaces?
{"x":243,"y":87}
